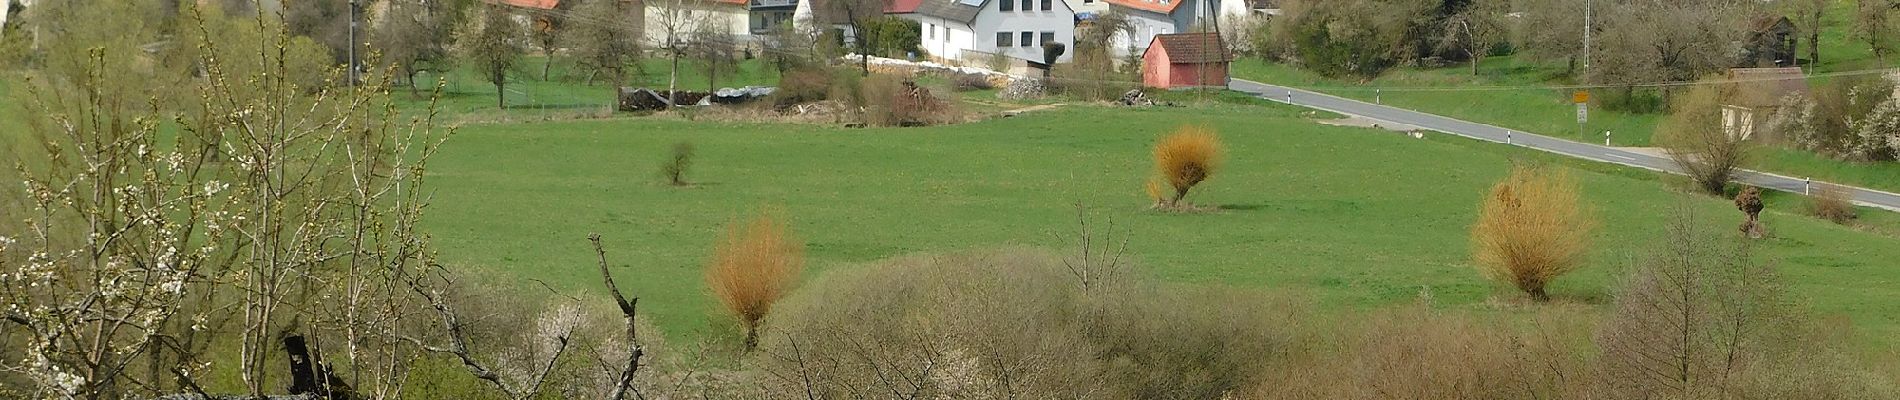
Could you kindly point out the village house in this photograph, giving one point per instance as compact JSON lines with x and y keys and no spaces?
{"x":1771,"y":43}
{"x":743,"y":20}
{"x":1161,"y":17}
{"x":1758,"y":94}
{"x":979,"y":31}
{"x":1185,"y":61}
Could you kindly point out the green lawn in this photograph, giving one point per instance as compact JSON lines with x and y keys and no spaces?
{"x":567,"y":89}
{"x":1357,"y":218}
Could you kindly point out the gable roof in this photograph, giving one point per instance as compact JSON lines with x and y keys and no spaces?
{"x":1192,"y":47}
{"x":1160,"y":6}
{"x":535,"y":4}
{"x":902,"y":6}
{"x":1764,"y":87}
{"x":954,"y":10}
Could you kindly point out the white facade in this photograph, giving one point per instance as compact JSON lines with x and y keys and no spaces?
{"x":689,"y":17}
{"x":977,"y":40}
{"x":1233,"y":16}
{"x":1088,"y":6}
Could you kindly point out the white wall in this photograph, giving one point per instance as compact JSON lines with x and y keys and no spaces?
{"x":733,"y":19}
{"x":950,"y":40}
{"x":1059,"y":20}
{"x":1147,"y":24}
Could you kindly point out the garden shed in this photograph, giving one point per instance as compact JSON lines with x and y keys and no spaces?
{"x":1185,"y":60}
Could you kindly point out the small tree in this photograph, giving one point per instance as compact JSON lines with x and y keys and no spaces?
{"x":752,"y":268}
{"x":713,"y":49}
{"x":1694,"y":136}
{"x":549,"y":30}
{"x":489,"y":45}
{"x":417,"y":36}
{"x":674,"y":169}
{"x":609,"y":49}
{"x":1531,"y":229}
{"x":1186,"y":158}
{"x":1749,"y":201}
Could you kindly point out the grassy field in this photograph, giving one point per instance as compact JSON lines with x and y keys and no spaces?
{"x":1356,"y":218}
{"x":567,"y":89}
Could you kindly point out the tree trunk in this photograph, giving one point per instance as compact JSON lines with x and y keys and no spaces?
{"x":751,"y":339}
{"x":673,"y":81}
{"x":547,"y":63}
{"x":501,"y":94}
{"x":1538,"y":294}
{"x":1474,"y":64}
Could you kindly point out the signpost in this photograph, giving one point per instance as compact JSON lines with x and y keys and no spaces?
{"x":1582,"y":98}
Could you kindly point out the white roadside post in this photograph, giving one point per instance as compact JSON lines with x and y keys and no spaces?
{"x":1507,"y":136}
{"x":1807,"y":186}
{"x":1606,"y":138}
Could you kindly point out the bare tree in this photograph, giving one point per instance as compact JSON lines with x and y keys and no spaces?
{"x":490,"y":44}
{"x":675,"y":20}
{"x":609,"y":47}
{"x":1691,"y":317}
{"x":548,"y":31}
{"x":715,"y":52}
{"x":1676,"y":41}
{"x":1874,"y":25}
{"x":1475,"y":29}
{"x":859,"y":15}
{"x":416,"y":36}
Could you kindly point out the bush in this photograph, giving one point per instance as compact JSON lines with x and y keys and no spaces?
{"x":1531,"y":229}
{"x":674,"y":169}
{"x":802,"y":85}
{"x":1831,"y":202}
{"x":1695,"y":138}
{"x":894,"y":37}
{"x":991,"y":324}
{"x":1186,"y":158}
{"x":752,"y":268}
{"x":970,"y":82}
{"x":893,"y":101}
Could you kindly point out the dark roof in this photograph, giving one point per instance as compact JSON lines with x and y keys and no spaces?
{"x":1192,"y":47}
{"x":953,"y":10}
{"x":1764,"y":87}
{"x":1771,"y":22}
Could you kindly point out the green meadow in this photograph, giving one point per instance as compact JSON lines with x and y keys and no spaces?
{"x":1353,"y":218}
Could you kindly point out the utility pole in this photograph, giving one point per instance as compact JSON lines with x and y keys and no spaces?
{"x":353,"y":15}
{"x":1587,"y":6}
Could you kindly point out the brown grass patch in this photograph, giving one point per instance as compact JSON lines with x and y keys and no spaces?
{"x":1830,"y":202}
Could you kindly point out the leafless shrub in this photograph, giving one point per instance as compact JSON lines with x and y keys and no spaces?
{"x":1531,"y":229}
{"x":1830,"y":202}
{"x":1415,"y":352}
{"x":893,"y":101}
{"x":674,"y":168}
{"x":1695,"y":137}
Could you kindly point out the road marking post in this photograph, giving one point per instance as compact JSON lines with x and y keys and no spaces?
{"x":1807,"y":186}
{"x":1507,"y":136}
{"x":1289,"y":97}
{"x":1378,"y":96}
{"x":1606,"y":138}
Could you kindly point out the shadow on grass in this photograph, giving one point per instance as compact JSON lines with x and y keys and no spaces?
{"x":1242,"y":207}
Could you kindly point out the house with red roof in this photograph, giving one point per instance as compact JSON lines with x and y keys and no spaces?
{"x":1161,"y":17}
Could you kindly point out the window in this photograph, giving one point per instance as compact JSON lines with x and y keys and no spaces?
{"x":1029,"y":39}
{"x":1005,"y":5}
{"x":1002,"y":39}
{"x":1088,"y":1}
{"x":1048,"y":37}
{"x":1047,"y":5}
{"x":1029,"y":5}
{"x":930,"y":31}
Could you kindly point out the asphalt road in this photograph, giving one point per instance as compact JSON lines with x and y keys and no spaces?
{"x":1310,"y":99}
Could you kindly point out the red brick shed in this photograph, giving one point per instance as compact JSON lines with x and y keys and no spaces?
{"x":1185,"y":60}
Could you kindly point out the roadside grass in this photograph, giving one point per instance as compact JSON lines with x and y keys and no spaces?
{"x":1356,"y":218}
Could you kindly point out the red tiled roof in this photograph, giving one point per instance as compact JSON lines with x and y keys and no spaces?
{"x":540,"y":4}
{"x":902,"y":6}
{"x":1160,"y":6}
{"x":739,"y":2}
{"x":1192,"y":47}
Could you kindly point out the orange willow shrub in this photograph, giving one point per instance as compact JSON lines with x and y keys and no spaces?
{"x":752,"y":268}
{"x":1531,"y":229}
{"x":1185,"y":158}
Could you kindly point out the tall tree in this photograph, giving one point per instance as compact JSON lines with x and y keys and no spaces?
{"x":1874,"y":25}
{"x":416,"y":36}
{"x":1475,"y":29}
{"x":489,"y":45}
{"x":1676,"y":41}
{"x":715,"y":52}
{"x":547,"y":32}
{"x":674,"y":20}
{"x":859,"y":15}
{"x":605,"y":48}
{"x":1552,"y":30}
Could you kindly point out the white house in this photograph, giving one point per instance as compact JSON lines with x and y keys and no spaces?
{"x":1160,"y":17}
{"x":742,"y":19}
{"x":1084,"y":9}
{"x":972,"y":31}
